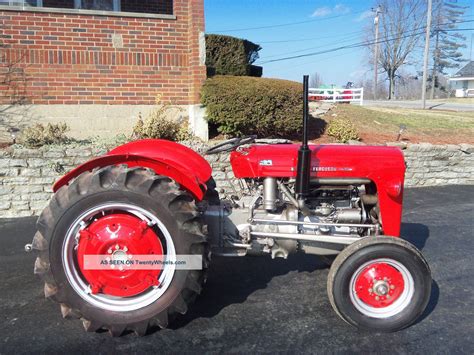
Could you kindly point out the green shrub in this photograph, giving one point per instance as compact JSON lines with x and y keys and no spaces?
{"x":161,"y":125}
{"x":39,"y":134}
{"x":245,"y":105}
{"x":343,"y":130}
{"x":226,"y":55}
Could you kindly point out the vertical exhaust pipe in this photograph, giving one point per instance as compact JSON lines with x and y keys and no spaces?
{"x":304,"y":153}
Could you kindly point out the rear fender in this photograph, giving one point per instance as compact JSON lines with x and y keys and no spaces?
{"x":177,"y":162}
{"x":171,"y":153}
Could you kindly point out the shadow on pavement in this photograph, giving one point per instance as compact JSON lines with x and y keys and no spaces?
{"x":233,"y":280}
{"x":432,"y":303}
{"x":415,"y":233}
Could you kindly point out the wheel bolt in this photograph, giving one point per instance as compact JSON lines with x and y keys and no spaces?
{"x":152,"y":281}
{"x":142,"y":227}
{"x":95,"y":288}
{"x":85,"y":234}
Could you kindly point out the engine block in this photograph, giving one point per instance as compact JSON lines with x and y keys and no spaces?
{"x":266,"y":219}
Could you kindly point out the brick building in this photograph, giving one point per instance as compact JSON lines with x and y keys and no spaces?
{"x":96,"y":64}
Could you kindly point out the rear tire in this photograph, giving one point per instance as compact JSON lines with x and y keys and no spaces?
{"x":140,"y":189}
{"x":379,"y":283}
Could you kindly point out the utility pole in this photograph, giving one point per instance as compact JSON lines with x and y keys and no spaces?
{"x":427,"y":52}
{"x":470,"y":54}
{"x":436,"y":51}
{"x":434,"y":74}
{"x":378,"y":11}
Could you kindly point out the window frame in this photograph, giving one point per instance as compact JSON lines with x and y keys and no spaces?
{"x":78,"y":11}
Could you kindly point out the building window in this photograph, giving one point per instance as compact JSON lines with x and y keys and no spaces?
{"x":20,"y":2}
{"x":102,"y":5}
{"x":60,"y":4}
{"x":148,"y":6}
{"x":138,"y":6}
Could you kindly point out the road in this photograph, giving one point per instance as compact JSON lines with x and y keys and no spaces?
{"x":262,"y":305}
{"x":416,"y":104}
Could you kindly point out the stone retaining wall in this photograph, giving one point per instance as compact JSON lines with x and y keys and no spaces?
{"x":26,"y":175}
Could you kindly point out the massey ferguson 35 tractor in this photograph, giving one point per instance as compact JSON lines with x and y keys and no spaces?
{"x":158,"y":198}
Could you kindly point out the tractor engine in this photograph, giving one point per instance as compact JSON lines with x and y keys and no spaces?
{"x":267,"y":218}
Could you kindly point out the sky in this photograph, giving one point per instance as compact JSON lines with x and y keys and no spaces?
{"x":323,"y":25}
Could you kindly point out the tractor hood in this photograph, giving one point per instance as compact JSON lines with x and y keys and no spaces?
{"x":383,"y":166}
{"x":335,"y":161}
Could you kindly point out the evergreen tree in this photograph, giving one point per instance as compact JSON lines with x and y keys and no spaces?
{"x":447,"y":41}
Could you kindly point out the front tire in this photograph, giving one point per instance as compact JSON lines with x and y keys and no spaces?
{"x":379,"y":283}
{"x":149,"y":207}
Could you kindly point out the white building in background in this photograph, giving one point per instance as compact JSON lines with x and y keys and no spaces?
{"x":463,"y":81}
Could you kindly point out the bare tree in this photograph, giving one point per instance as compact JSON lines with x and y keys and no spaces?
{"x":408,"y":85}
{"x":369,"y":83}
{"x":401,"y":27}
{"x":12,"y":84}
{"x":315,"y":80}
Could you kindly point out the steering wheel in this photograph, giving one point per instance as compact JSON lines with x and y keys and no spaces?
{"x":230,"y":144}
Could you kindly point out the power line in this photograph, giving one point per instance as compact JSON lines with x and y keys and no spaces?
{"x":349,"y":39}
{"x":299,"y":65}
{"x":311,"y":39}
{"x":358,"y":44}
{"x":355,"y":45}
{"x":288,"y":23}
{"x":332,"y":36}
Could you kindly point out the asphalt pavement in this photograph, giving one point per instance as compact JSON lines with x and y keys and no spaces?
{"x":417,"y":104}
{"x":262,"y":305}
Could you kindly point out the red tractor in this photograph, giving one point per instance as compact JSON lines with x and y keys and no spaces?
{"x":157,"y":199}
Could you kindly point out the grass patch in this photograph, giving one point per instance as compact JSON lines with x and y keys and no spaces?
{"x":425,"y":123}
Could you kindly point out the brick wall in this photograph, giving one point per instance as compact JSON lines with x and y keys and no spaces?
{"x":90,"y":59}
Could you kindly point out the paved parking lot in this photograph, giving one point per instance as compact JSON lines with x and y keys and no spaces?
{"x":263,"y":305}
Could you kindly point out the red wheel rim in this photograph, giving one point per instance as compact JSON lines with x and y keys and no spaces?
{"x":379,"y":285}
{"x":119,"y":236}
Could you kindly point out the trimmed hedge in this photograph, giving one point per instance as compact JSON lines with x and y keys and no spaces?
{"x":226,"y":55}
{"x":244,"y":105}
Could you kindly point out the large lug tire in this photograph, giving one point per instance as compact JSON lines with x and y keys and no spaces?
{"x":157,"y":198}
{"x":379,"y":284}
